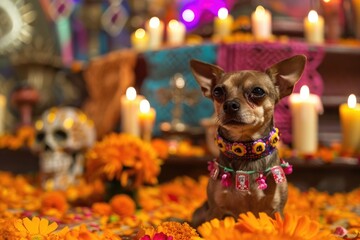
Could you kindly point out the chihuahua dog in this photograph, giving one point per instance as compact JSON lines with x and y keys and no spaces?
{"x":248,"y":174}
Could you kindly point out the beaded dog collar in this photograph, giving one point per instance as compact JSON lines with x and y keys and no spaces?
{"x":242,"y":178}
{"x":249,"y":151}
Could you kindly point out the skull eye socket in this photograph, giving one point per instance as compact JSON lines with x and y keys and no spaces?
{"x":60,"y":135}
{"x":40,"y":136}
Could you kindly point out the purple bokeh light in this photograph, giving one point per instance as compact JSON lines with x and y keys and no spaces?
{"x":199,"y":7}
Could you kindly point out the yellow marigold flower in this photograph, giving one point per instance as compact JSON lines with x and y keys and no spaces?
{"x":258,"y":147}
{"x":35,"y":228}
{"x":274,"y":139}
{"x":239,"y":149}
{"x":219,"y":230}
{"x":220,"y":143}
{"x":123,"y":205}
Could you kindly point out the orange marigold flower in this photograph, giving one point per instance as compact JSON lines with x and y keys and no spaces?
{"x":54,"y":203}
{"x":80,"y":233}
{"x":291,"y":227}
{"x":180,"y":231}
{"x":24,"y":136}
{"x":176,"y":230}
{"x":123,"y":157}
{"x":161,"y":147}
{"x":123,"y":205}
{"x":101,"y":208}
{"x":219,"y":229}
{"x":8,"y":230}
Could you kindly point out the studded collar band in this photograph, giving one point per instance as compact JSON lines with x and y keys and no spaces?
{"x":249,"y":151}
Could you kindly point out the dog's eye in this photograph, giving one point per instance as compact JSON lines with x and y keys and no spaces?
{"x":257,"y":92}
{"x":219,"y":92}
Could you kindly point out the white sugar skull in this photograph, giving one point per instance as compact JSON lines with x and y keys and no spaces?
{"x":62,"y":136}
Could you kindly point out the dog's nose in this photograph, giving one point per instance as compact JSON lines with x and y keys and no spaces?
{"x":231,"y":106}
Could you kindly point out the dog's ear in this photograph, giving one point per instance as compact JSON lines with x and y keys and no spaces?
{"x":286,"y":73}
{"x":206,"y":74}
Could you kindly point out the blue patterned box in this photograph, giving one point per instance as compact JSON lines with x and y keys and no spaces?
{"x":162,"y":66}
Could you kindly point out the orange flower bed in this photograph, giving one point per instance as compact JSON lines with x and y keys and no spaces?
{"x":308,"y":215}
{"x":123,"y":157}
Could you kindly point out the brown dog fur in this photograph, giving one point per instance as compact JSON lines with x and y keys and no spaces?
{"x":253,"y":120}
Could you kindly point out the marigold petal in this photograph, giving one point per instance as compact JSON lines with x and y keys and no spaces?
{"x":45,"y":228}
{"x":266,"y":223}
{"x":312,"y":230}
{"x":229,"y":222}
{"x":279,"y":222}
{"x":19,"y":225}
{"x":289,"y":224}
{"x":302,"y":226}
{"x":249,"y":221}
{"x":205,"y":229}
{"x":32,"y":226}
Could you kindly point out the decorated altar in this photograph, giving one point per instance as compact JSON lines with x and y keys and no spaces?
{"x":105,"y":133}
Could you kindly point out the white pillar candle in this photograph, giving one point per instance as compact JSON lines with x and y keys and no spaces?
{"x":155,"y":29}
{"x":147,"y":116}
{"x":223,"y":23}
{"x":129,"y":112}
{"x":314,"y":28}
{"x":350,"y":125}
{"x":261,"y":23}
{"x":175,"y":32}
{"x":2,"y":114}
{"x":140,"y":40}
{"x":305,"y":108}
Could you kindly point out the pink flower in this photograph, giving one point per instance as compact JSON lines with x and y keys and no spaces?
{"x":146,"y":237}
{"x":340,"y":231}
{"x":157,"y":236}
{"x":162,"y":236}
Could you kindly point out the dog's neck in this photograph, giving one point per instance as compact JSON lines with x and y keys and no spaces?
{"x":248,"y":150}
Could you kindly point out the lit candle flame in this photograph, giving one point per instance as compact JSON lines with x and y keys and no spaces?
{"x":154,"y":22}
{"x":352,"y":101}
{"x":260,"y":10}
{"x":326,"y":1}
{"x":313,"y":16}
{"x":304,"y":92}
{"x":144,"y":106}
{"x":173,"y":24}
{"x":131,"y":93}
{"x":140,"y":33}
{"x":223,"y":13}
